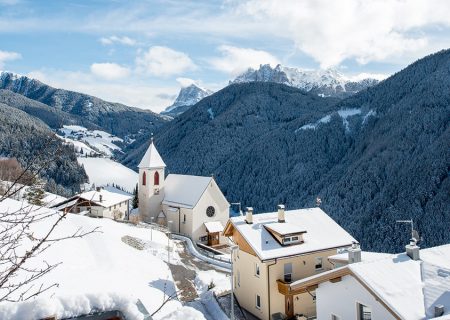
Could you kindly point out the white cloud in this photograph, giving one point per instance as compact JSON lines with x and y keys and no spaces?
{"x":235,"y":60}
{"x":131,"y":91}
{"x":109,"y":71}
{"x":127,"y":41}
{"x":186,"y":82}
{"x":333,"y":31}
{"x":163,"y":62}
{"x":8,"y":56}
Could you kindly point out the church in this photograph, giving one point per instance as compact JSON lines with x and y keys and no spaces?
{"x":189,"y":205}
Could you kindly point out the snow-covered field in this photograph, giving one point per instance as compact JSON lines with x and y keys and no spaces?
{"x":102,"y":171}
{"x":83,"y":138}
{"x":101,"y":272}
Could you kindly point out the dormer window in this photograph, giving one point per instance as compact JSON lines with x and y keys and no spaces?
{"x":286,"y":234}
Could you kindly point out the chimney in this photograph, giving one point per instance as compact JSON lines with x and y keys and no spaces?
{"x":101,"y":198}
{"x":412,"y":250}
{"x":98,"y":189}
{"x":438,"y":310}
{"x":281,"y":213}
{"x":249,"y":215}
{"x":354,"y":253}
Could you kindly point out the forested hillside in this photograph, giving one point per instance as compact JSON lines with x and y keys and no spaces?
{"x":378,"y":156}
{"x":29,"y":139}
{"x":83,"y":109}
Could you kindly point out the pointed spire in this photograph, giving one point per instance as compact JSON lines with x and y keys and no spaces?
{"x":152,"y":159}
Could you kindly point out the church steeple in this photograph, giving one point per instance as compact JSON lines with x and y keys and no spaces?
{"x":152,"y":158}
{"x":151,"y":183}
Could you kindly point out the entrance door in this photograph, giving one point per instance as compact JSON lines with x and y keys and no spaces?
{"x":213,"y":238}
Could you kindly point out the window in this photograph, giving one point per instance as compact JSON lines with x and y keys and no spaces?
{"x":156,"y":179}
{"x":364,"y":312}
{"x":144,"y":179}
{"x":115,"y":206}
{"x":294,"y":238}
{"x":319,"y":263}
{"x":210,"y":211}
{"x":258,"y":302}
{"x":257,"y":272}
{"x":335,"y":317}
{"x":288,"y":272}
{"x":184,"y":218}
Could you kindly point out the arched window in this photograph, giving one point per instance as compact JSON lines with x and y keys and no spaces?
{"x":144,"y":179}
{"x":156,"y":179}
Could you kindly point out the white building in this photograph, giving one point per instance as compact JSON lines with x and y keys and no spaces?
{"x":98,"y":203}
{"x":413,"y":285}
{"x":189,"y":205}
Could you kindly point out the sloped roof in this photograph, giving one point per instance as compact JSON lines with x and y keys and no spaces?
{"x":183,"y":190}
{"x":152,"y":159}
{"x":214,"y":226}
{"x":322,"y":233}
{"x":108,"y":198}
{"x":410,"y":288}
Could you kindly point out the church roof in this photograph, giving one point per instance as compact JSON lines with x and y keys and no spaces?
{"x":152,"y":159}
{"x":183,"y":190}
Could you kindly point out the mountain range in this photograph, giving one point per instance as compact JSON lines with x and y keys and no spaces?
{"x":323,"y":82}
{"x":378,"y":156}
{"x":69,"y":107}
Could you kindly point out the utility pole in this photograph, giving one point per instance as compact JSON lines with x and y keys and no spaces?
{"x":151,"y":228}
{"x":233,"y":248}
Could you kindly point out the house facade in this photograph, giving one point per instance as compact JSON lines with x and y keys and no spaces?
{"x":190,"y":205}
{"x":276,"y":249}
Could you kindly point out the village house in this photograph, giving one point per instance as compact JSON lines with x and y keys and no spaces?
{"x":189,"y":205}
{"x":374,"y":286}
{"x":276,"y":249}
{"x":99,"y":203}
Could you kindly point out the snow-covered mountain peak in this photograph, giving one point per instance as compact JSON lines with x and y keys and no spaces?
{"x":188,"y":96}
{"x":324,"y":82}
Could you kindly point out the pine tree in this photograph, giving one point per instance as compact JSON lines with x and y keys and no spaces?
{"x":136,"y":197}
{"x":36,"y":193}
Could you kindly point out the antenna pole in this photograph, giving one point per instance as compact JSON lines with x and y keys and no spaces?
{"x":410,"y":221}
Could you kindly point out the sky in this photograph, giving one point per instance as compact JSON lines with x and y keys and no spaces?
{"x":141,"y":53}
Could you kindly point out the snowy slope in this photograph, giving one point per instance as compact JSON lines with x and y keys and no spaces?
{"x":324,"y":82}
{"x":98,"y":271}
{"x":85,"y":139}
{"x":102,"y":171}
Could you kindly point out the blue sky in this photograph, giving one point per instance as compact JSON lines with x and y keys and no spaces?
{"x":141,"y":52}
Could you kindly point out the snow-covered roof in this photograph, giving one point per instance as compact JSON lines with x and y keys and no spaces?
{"x":152,"y":159}
{"x":108,"y":198}
{"x":183,"y":190}
{"x":214,"y":226}
{"x":283,"y":228}
{"x":410,"y":288}
{"x":322,"y":233}
{"x":366,"y":256}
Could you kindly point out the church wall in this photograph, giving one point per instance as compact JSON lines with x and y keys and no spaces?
{"x":211,"y":197}
{"x":176,"y":215}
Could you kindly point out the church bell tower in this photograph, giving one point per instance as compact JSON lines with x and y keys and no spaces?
{"x":151,"y":184}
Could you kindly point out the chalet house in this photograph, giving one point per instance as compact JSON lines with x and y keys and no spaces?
{"x":412,"y":285}
{"x":99,"y":203}
{"x":190,"y":205}
{"x":277,"y":249}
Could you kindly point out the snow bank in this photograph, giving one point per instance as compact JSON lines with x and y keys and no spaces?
{"x":186,"y":313}
{"x":99,"y":270}
{"x":102,"y":171}
{"x":221,"y":282}
{"x":72,"y":306}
